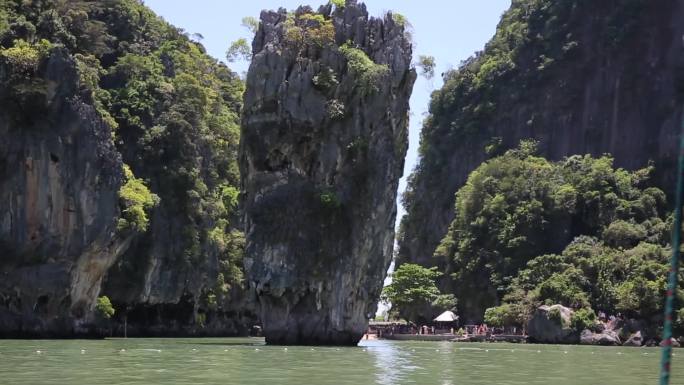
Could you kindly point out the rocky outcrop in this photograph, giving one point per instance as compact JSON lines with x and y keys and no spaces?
{"x":59,"y":182}
{"x":635,"y":340}
{"x":607,"y":84}
{"x":606,"y":337}
{"x":551,"y":325}
{"x":322,"y":150}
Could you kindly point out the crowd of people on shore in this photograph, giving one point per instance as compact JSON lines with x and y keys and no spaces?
{"x":464,"y":331}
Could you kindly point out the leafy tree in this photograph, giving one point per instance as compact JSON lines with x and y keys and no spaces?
{"x":339,"y":4}
{"x":251,"y":23}
{"x":369,"y":73}
{"x":136,"y":200}
{"x":412,"y":290}
{"x":444,"y":302}
{"x":239,"y":50}
{"x":427,"y":66}
{"x":505,"y":315}
{"x":583,"y":319}
{"x":104,"y":308}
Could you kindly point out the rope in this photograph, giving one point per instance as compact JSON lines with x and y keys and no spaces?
{"x":674,"y":268}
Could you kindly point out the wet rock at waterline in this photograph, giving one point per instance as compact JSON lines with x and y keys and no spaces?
{"x":635,"y":339}
{"x":324,"y":135}
{"x":606,"y":337}
{"x":551,"y":324}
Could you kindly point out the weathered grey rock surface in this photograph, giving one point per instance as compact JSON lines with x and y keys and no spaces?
{"x":606,"y":337}
{"x":320,"y":185}
{"x":59,"y":180}
{"x":543,"y":327}
{"x":635,"y":339}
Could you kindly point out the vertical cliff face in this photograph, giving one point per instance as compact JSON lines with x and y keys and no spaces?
{"x":59,"y":182}
{"x":88,"y":89}
{"x":324,"y":135}
{"x":578,"y":76}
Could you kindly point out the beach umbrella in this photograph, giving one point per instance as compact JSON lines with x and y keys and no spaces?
{"x":447,"y":316}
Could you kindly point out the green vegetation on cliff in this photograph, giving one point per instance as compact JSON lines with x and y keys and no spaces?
{"x":576,"y":232}
{"x":136,"y":200}
{"x":532,"y":79}
{"x":173,"y":111}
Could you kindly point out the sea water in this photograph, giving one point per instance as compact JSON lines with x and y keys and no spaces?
{"x":247,"y":361}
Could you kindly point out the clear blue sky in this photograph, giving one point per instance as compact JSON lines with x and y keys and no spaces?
{"x":449,"y":30}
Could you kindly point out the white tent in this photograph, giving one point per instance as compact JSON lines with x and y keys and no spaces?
{"x":447,"y":316}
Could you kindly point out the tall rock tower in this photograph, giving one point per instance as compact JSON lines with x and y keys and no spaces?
{"x":324,"y":135}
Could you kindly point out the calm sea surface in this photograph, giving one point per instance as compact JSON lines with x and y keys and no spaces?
{"x":248,"y":361}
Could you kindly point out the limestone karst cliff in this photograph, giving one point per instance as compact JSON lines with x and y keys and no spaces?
{"x":59,"y":179}
{"x":324,"y":134}
{"x":580,"y":77}
{"x":118,"y":174}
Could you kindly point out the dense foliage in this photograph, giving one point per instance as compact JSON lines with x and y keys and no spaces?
{"x":576,"y":232}
{"x":104,"y":308}
{"x":534,"y":55}
{"x":172,"y":108}
{"x":413,"y":293}
{"x":369,"y":73}
{"x":136,"y":199}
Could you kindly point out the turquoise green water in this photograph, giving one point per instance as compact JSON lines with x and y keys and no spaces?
{"x":248,"y":361}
